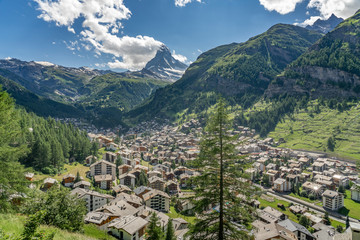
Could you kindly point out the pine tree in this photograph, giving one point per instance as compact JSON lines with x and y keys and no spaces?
{"x":78,"y":178}
{"x":219,"y":183}
{"x":11,"y":149}
{"x":170,"y":235}
{"x":153,"y":230}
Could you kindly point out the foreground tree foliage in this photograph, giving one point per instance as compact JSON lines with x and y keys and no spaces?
{"x":221,"y":199}
{"x":153,"y":230}
{"x":59,"y":208}
{"x":12,"y":147}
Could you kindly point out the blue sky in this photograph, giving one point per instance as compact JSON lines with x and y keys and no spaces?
{"x":126,"y":34}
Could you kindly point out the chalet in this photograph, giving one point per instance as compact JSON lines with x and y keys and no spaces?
{"x":318,"y":166}
{"x":100,"y":219}
{"x":103,"y":167}
{"x":90,"y":160}
{"x":154,"y":173}
{"x":341,"y":180}
{"x":68,"y":180}
{"x":172,"y":187}
{"x":169,"y":176}
{"x":110,"y":157}
{"x":183,"y":180}
{"x":121,"y":189}
{"x":299,"y":230}
{"x":139,"y":191}
{"x":157,"y":183}
{"x":48,"y":183}
{"x":127,"y":179}
{"x":282,"y":185}
{"x":157,"y":200}
{"x":313,"y":188}
{"x":133,"y":200}
{"x":82,"y":184}
{"x":124,"y":168}
{"x":128,"y":228}
{"x":29,"y":176}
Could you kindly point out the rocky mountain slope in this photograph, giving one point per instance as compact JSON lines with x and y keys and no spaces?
{"x":165,"y":65}
{"x":241,"y":72}
{"x":330,"y":68}
{"x":325,"y":26}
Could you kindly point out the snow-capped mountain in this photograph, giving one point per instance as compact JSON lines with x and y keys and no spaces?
{"x":165,"y":65}
{"x":325,"y":26}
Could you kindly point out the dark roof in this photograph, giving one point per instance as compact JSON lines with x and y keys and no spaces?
{"x":293,"y":226}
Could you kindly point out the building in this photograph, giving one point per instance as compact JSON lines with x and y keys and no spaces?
{"x":157,"y":183}
{"x":281,"y":185}
{"x":48,"y":183}
{"x":103,"y":167}
{"x":29,"y":176}
{"x":68,"y":180}
{"x":82,"y":184}
{"x":110,"y":157}
{"x":274,"y":231}
{"x":158,"y":200}
{"x":355,"y":192}
{"x":124,"y":168}
{"x":103,"y":181}
{"x":128,"y":228}
{"x":333,"y":200}
{"x":127,"y":179}
{"x":300,"y":231}
{"x":94,"y":200}
{"x":172,"y":187}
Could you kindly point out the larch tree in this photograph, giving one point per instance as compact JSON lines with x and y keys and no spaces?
{"x":221,"y":197}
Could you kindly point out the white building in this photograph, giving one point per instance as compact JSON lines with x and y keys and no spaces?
{"x":158,"y":200}
{"x":355,"y":192}
{"x":333,"y":200}
{"x":94,"y":200}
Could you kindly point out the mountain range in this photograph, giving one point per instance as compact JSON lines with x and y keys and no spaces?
{"x":325,"y":26}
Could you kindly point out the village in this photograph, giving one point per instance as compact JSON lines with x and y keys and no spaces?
{"x":147,"y":171}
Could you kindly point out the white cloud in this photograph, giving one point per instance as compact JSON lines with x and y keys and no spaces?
{"x":341,"y":8}
{"x":101,"y":21}
{"x":179,"y":57}
{"x":309,"y":21}
{"x":72,"y":45}
{"x":280,"y":6}
{"x":8,"y":58}
{"x":182,"y":3}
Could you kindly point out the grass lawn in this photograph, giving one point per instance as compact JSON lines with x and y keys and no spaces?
{"x":173,"y":214}
{"x":264,"y":203}
{"x":13,"y":224}
{"x":304,"y":198}
{"x":73,"y":169}
{"x":352,"y":208}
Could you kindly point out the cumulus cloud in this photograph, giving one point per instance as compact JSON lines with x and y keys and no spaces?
{"x":179,"y":57}
{"x":182,"y":3}
{"x":101,"y":21}
{"x":341,"y":8}
{"x":280,"y":6}
{"x":309,"y":21}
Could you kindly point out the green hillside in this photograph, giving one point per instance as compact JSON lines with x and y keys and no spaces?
{"x":240,"y":72}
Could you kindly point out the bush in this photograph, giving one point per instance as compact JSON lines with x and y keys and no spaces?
{"x":312,"y":197}
{"x":303,"y":193}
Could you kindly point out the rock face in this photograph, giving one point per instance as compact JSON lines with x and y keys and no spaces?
{"x":316,"y":81}
{"x":325,"y":26}
{"x":165,"y":65}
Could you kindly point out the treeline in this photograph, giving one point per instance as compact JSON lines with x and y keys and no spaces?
{"x":52,"y":143}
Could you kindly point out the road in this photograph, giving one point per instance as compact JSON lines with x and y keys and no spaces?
{"x":315,"y":208}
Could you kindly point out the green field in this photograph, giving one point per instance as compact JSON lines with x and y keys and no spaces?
{"x":73,"y":169}
{"x":308,"y":130}
{"x":13,"y":225}
{"x":173,"y":214}
{"x":352,"y":208}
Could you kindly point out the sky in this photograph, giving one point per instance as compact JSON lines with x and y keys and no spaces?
{"x":125,"y":34}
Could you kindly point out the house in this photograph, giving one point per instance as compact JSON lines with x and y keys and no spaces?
{"x":127,"y":179}
{"x":48,"y":183}
{"x":82,"y":184}
{"x":154,"y":173}
{"x":172,"y":187}
{"x":269,"y":215}
{"x":103,"y":181}
{"x":251,"y":172}
{"x":29,"y":176}
{"x":318,"y":166}
{"x":94,"y":200}
{"x":274,"y":231}
{"x":180,"y":227}
{"x":128,"y":228}
{"x":133,"y":200}
{"x":341,"y":180}
{"x":100,"y":219}
{"x":110,"y":157}
{"x":300,"y":231}
{"x":139,"y":191}
{"x":183,"y":180}
{"x":355,"y":192}
{"x":169,"y":176}
{"x":121,"y":188}
{"x":281,"y":185}
{"x":68,"y":180}
{"x":333,"y":200}
{"x":157,"y":183}
{"x":103,"y":167}
{"x":124,"y":168}
{"x":313,"y":188}
{"x":273,"y":175}
{"x":157,"y":200}
{"x":90,"y":159}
